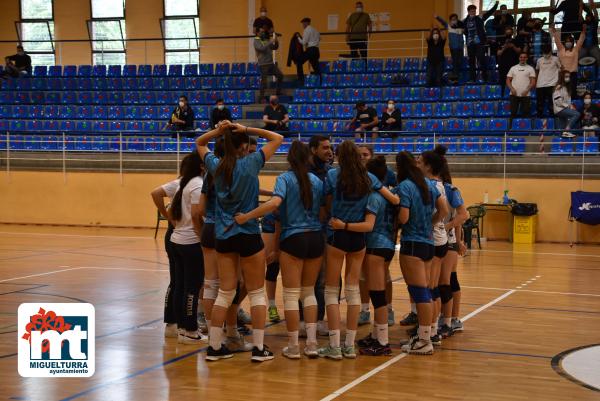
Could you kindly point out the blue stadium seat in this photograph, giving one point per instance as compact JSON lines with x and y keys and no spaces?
{"x":83,"y":126}
{"x":114,"y":84}
{"x":129,"y":70}
{"x":101,"y":126}
{"x":6,"y":97}
{"x":374,"y":94}
{"x":100,"y":97}
{"x":134,"y":126}
{"x":312,"y":81}
{"x":414,"y":125}
{"x":492,"y":144}
{"x":300,"y":95}
{"x":308,"y":111}
{"x":201,"y":113}
{"x":114,"y":71}
{"x":354,"y":95}
{"x":442,"y":110}
{"x":39,"y":83}
{"x":212,"y":96}
{"x":236,"y":112}
{"x":68,"y":112}
{"x":208,"y":82}
{"x":116,"y":112}
{"x":35,"y":125}
{"x":464,"y":109}
{"x":231,"y":97}
{"x":344,"y":111}
{"x":175,"y":70}
{"x":498,"y":124}
{"x":503,"y":108}
{"x":85,"y":98}
{"x":85,"y":112}
{"x":164,"y":112}
{"x":434,"y":125}
{"x":339,"y":67}
{"x":328,"y":81}
{"x":38,"y":98}
{"x":423,"y":144}
{"x":176,"y":83}
{"x":375,"y":65}
{"x":151,"y":126}
{"x":160,"y":83}
{"x":562,"y":145}
{"x":130,"y":97}
{"x":393,"y":65}
{"x":22,"y":98}
{"x":98,"y":70}
{"x":100,"y":112}
{"x":55,"y":71}
{"x":190,"y":70}
{"x":587,"y":145}
{"x":411,"y":64}
{"x":383,"y":79}
{"x":455,"y":125}
{"x":471,"y":92}
{"x":240,"y":82}
{"x":451,"y":93}
{"x":544,"y":124}
{"x":5,"y":112}
{"x":406,"y":143}
{"x":133,"y":112}
{"x":485,"y":109}
{"x":51,"y":125}
{"x":117,"y":126}
{"x":130,"y":84}
{"x":51,"y":112}
{"x":252,"y":69}
{"x":238,"y":69}
{"x":357,"y":66}
{"x":477,"y":125}
{"x":430,"y":94}
{"x":412,"y":94}
{"x":469,"y":144}
{"x":521,"y":124}
{"x":332,"y":95}
{"x":69,"y":71}
{"x":222,"y":69}
{"x":423,"y":110}
{"x":451,"y":144}
{"x":84,"y":71}
{"x":144,"y":70}
{"x":149,"y":112}
{"x":206,"y":69}
{"x":314,"y":126}
{"x":84,"y":83}
{"x":298,"y":125}
{"x":406,"y":109}
{"x":40,"y":71}
{"x":145,"y":83}
{"x":159,"y":70}
{"x":492,"y":92}
{"x":364,"y":80}
{"x":325,"y":111}
{"x":225,"y":82}
{"x":383,"y":145}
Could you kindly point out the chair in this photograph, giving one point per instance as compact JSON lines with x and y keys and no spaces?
{"x":238,"y":69}
{"x":339,"y":66}
{"x":222,"y":69}
{"x":357,"y":66}
{"x":40,"y":71}
{"x":392,"y":65}
{"x":175,"y":70}
{"x":129,"y":70}
{"x":114,"y":71}
{"x":423,"y":110}
{"x":475,"y":220}
{"x":55,"y":71}
{"x":190,"y":70}
{"x":451,"y":93}
{"x":206,"y":69}
{"x":160,"y":70}
{"x":472,"y":92}
{"x":84,"y":71}
{"x":98,"y":71}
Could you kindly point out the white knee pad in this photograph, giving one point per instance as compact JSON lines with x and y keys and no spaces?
{"x":308,"y":297}
{"x":352,"y":295}
{"x":211,"y":289}
{"x":291,"y":296}
{"x":257,"y":297}
{"x":225,"y":298}
{"x":332,"y":295}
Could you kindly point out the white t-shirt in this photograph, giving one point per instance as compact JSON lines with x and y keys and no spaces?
{"x":548,"y":71}
{"x":520,"y":75}
{"x":171,"y":188}
{"x":184,"y":234}
{"x":440,"y":235}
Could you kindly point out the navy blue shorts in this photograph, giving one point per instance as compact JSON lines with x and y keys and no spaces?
{"x":307,"y":245}
{"x":347,"y":241}
{"x":243,"y":244}
{"x":421,"y":250}
{"x":386,"y":253}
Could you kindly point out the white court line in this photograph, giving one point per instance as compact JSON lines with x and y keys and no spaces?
{"x":536,"y":253}
{"x":75,"y":235}
{"x":123,"y":268}
{"x":80,"y":268}
{"x":39,"y":274}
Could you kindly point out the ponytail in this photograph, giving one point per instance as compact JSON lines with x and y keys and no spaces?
{"x":191,"y":167}
{"x":231,"y":145}
{"x":408,"y":170}
{"x":299,"y":159}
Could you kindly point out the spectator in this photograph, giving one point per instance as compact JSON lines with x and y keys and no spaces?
{"x":456,"y":43}
{"x":391,"y":119}
{"x":563,"y":109}
{"x":182,"y":118}
{"x":548,"y":68}
{"x":296,"y":55}
{"x":590,"y":44}
{"x":537,"y":40}
{"x":522,"y":24}
{"x":219,"y":113}
{"x":475,"y":38}
{"x":366,"y":118}
{"x":504,"y":20}
{"x":568,"y":54}
{"x":310,"y":40}
{"x":358,"y":28}
{"x":17,"y":64}
{"x":520,"y":80}
{"x":490,"y":32}
{"x":263,"y":22}
{"x":276,"y":116}
{"x":435,"y":57}
{"x":508,"y":55}
{"x":264,"y":54}
{"x":572,"y":19}
{"x":590,"y":115}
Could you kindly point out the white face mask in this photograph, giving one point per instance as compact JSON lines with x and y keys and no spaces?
{"x":504,"y":12}
{"x":359,"y":9}
{"x":435,"y":36}
{"x":547,"y":55}
{"x":391,"y":106}
{"x":567,"y":80}
{"x":569,"y":45}
{"x":220,"y":107}
{"x":181,"y":104}
{"x":263,"y":13}
{"x":587,"y":101}
{"x":453,"y":22}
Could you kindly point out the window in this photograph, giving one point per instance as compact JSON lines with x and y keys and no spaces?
{"x":107,"y":31}
{"x":36,"y":30}
{"x":180,"y":28}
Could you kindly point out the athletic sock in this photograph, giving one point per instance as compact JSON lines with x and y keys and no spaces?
{"x":311,"y":333}
{"x":293,"y":338}
{"x":215,"y":337}
{"x":425,"y":333}
{"x":364,"y":307}
{"x":374,"y":333}
{"x":200,"y":307}
{"x":382,"y":334}
{"x":232,"y":330}
{"x":350,"y":338}
{"x":413,"y":308}
{"x":434,"y":328}
{"x":272,"y":303}
{"x":334,"y":338}
{"x":448,"y":321}
{"x":258,"y":337}
{"x":389,"y":306}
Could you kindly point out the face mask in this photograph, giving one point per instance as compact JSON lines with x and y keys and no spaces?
{"x":436,"y":36}
{"x":504,"y":12}
{"x":220,"y":107}
{"x":181,"y":104}
{"x":587,"y":101}
{"x":453,"y":22}
{"x":359,"y":9}
{"x":391,"y":106}
{"x":547,"y":55}
{"x":569,"y":45}
{"x":567,"y":80}
{"x":263,"y":13}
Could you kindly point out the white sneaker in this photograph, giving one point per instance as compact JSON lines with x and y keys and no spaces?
{"x":195,"y":338}
{"x":322,"y":329}
{"x":568,"y":134}
{"x":292,"y":352}
{"x":418,"y":347}
{"x":171,"y":330}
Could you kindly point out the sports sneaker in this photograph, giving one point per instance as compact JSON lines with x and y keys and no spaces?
{"x":391,"y":317}
{"x":322,"y":329}
{"x":202,"y":323}
{"x":237,"y":343}
{"x":376,"y":349}
{"x":366,"y":342}
{"x":274,"y":315}
{"x":261,"y":356}
{"x":457,"y":325}
{"x":409,"y":320}
{"x":171,"y":330}
{"x":196,"y":338}
{"x":436,"y":340}
{"x":244,"y":317}
{"x":349,"y":352}
{"x":364,"y":318}
{"x":445,"y":331}
{"x":567,"y":134}
{"x":409,"y":340}
{"x":292,"y":352}
{"x":215,"y":355}
{"x":311,"y":350}
{"x":418,"y":347}
{"x":331,"y":352}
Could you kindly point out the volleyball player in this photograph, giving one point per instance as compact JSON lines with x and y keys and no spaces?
{"x":421,"y":206}
{"x":349,"y":198}
{"x":381,"y":247}
{"x":270,"y":235}
{"x":236,"y":184}
{"x":299,"y":196}
{"x":189,"y":263}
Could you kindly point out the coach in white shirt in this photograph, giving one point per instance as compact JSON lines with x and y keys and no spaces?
{"x":310,"y":40}
{"x":520,"y":80}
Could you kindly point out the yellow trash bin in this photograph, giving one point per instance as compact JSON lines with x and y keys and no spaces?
{"x":524,"y":229}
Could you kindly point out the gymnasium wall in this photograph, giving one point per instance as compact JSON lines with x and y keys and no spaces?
{"x":99,"y":199}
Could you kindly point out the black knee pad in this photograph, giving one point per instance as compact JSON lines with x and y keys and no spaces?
{"x":435,"y":293}
{"x":454,"y":282}
{"x":272,"y":271}
{"x":378,"y":298}
{"x":445,"y":293}
{"x":236,"y":299}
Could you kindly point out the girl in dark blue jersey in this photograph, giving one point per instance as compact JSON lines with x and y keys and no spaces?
{"x":236,"y":184}
{"x":420,"y":208}
{"x":298,"y":195}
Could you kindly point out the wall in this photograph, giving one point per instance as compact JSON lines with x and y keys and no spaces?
{"x":100,"y":199}
{"x":10,"y":14}
{"x":70,"y":23}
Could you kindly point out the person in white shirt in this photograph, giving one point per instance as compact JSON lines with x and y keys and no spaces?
{"x":186,"y":215}
{"x":563,"y":108}
{"x":520,"y":80}
{"x":548,"y":68}
{"x":310,"y":40}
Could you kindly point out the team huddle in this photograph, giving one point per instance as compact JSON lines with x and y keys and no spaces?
{"x":321,"y":220}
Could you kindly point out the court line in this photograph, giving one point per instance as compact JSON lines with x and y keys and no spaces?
{"x":535,"y":253}
{"x":74,"y":235}
{"x":40,"y":274}
{"x":484,"y":307}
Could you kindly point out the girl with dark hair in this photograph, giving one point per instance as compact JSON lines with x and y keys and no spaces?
{"x":421,"y":206}
{"x":185,"y":213}
{"x":236,"y":186}
{"x":352,"y":208}
{"x":298,"y":195}
{"x":435,"y":57}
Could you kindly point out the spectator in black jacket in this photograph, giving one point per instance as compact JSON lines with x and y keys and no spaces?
{"x":476,"y":40}
{"x":590,"y":45}
{"x":508,"y":55}
{"x":435,"y":57}
{"x":590,"y":114}
{"x":17,"y":64}
{"x":391,"y":120}
{"x":219,"y":113}
{"x":505,"y":19}
{"x":296,"y":56}
{"x":182,"y":118}
{"x":572,"y":17}
{"x":263,"y":21}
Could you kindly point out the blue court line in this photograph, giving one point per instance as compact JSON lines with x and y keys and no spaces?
{"x":26,"y":289}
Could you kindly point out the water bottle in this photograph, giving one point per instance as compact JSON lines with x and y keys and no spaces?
{"x":505,"y":198}
{"x":486,"y":197}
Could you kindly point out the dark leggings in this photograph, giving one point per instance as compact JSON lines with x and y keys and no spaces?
{"x":189,"y":277}
{"x":170,"y":314}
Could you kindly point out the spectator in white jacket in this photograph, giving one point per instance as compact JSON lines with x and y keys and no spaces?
{"x":563,"y":108}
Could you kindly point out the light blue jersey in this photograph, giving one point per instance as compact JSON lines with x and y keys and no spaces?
{"x":293,"y":216}
{"x":390,"y":178}
{"x":418,"y":228}
{"x":455,"y":200}
{"x":240,"y":197}
{"x":350,"y":209}
{"x":383,"y":235}
{"x":211,"y":200}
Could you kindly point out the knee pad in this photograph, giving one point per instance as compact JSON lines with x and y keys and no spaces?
{"x":272,"y":271}
{"x":211,"y":289}
{"x":331,"y":295}
{"x":291,"y":296}
{"x":445,"y":293}
{"x":454,"y":282}
{"x":352,"y":295}
{"x":257,"y":297}
{"x":420,"y":295}
{"x":378,"y":298}
{"x":435,"y":293}
{"x":225,"y":298}
{"x":307,"y":296}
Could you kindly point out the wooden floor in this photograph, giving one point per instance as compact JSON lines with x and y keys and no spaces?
{"x":522,"y":306}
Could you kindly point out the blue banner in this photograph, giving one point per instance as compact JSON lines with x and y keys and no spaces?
{"x":585,"y":207}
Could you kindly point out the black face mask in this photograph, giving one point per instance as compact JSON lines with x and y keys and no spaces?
{"x":264,"y":35}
